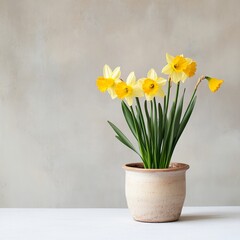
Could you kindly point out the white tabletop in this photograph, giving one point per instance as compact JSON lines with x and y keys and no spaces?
{"x":113,"y":224}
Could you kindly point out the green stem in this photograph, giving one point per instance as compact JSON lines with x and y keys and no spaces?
{"x":142,"y":122}
{"x":172,"y":124}
{"x":155,"y":133}
{"x":166,"y":103}
{"x":194,"y":92}
{"x":142,"y":151}
{"x":168,"y":95}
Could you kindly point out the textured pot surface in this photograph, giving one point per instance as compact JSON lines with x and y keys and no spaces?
{"x":155,"y":195}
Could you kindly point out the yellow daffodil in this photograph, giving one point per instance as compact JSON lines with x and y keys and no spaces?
{"x":108,"y":81}
{"x":129,"y":90}
{"x":179,"y":68}
{"x":214,"y":84}
{"x":152,"y":85}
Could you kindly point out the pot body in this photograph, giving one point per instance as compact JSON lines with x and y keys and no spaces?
{"x":155,"y":195}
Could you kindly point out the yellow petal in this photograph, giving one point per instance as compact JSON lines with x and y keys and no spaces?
{"x":112,"y":93}
{"x":131,"y":79}
{"x":169,"y":58}
{"x":176,"y":77}
{"x":161,"y":81}
{"x":139,"y":85}
{"x":138,"y":92}
{"x":116,"y":73}
{"x":107,"y":72}
{"x":152,"y":74}
{"x":140,"y":82}
{"x":117,"y":80}
{"x":184,"y":77}
{"x":167,"y":69}
{"x":149,"y":97}
{"x":160,"y":92}
{"x":129,"y":100}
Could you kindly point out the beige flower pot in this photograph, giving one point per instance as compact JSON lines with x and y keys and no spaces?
{"x":155,"y":195}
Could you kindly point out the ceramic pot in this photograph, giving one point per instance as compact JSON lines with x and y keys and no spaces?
{"x":155,"y":195}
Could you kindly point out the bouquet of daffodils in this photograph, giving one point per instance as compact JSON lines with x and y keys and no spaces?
{"x":156,"y":126}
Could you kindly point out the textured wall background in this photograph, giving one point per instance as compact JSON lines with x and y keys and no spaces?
{"x":56,"y":149}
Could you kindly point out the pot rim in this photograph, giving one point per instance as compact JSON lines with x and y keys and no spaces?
{"x":138,"y":167}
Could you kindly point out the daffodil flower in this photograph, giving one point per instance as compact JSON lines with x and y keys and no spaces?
{"x":129,"y":90}
{"x":214,"y":84}
{"x":108,"y":81}
{"x":179,"y":68}
{"x":152,"y":85}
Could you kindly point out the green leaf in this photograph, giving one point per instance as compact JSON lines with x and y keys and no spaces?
{"x":178,"y":114}
{"x":141,"y":121}
{"x":186,"y":117}
{"x":121,"y":137}
{"x":148,"y":119}
{"x":169,"y":135}
{"x":138,"y":129}
{"x":140,"y":140}
{"x":129,"y":118}
{"x":142,"y":128}
{"x":160,"y":131}
{"x":156,"y":133}
{"x":183,"y":124}
{"x":160,"y":117}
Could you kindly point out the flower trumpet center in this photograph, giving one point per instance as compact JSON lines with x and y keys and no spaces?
{"x":190,"y":69}
{"x":123,"y":90}
{"x":150,"y":86}
{"x":179,"y":63}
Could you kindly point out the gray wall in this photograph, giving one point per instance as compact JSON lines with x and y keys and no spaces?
{"x":56,"y":149}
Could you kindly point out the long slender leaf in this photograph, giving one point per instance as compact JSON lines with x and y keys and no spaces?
{"x":186,"y":118}
{"x":149,"y":129}
{"x":178,"y":114}
{"x":142,"y":122}
{"x":120,"y":136}
{"x":148,"y":119}
{"x":174,"y":129}
{"x":144,"y":134}
{"x":152,"y":129}
{"x":156,"y":133}
{"x":183,"y":124}
{"x":141,"y":143}
{"x":169,"y":136}
{"x":160,"y":131}
{"x":129,"y":118}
